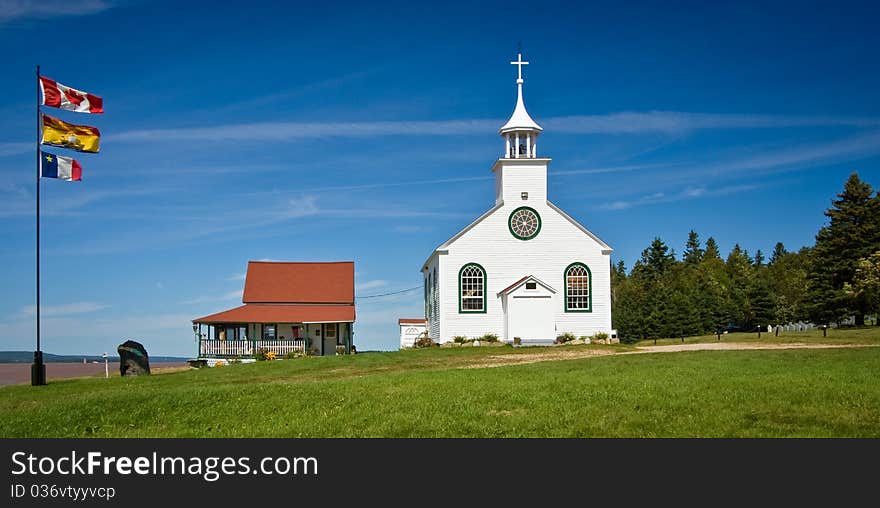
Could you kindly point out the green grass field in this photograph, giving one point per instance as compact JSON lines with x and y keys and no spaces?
{"x":429,"y":393}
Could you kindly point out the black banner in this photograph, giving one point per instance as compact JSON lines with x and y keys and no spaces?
{"x":134,"y":472}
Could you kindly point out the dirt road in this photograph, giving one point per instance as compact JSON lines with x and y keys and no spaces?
{"x":571,"y":354}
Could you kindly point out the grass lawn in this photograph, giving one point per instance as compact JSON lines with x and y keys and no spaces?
{"x":428,"y":393}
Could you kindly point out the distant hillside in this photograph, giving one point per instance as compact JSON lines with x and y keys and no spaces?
{"x":28,"y":357}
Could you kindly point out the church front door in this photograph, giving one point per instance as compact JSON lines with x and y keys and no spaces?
{"x":531,"y":319}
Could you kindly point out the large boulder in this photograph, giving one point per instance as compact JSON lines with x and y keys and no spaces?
{"x":133,"y":359}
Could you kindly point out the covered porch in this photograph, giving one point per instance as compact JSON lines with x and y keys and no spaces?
{"x":245,"y":340}
{"x":285,"y":330}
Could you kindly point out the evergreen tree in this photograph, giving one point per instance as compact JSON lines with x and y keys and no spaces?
{"x":778,"y":252}
{"x":740,"y":278}
{"x":761,"y":304}
{"x":853,"y":233}
{"x":711,"y":251}
{"x":657,"y":259}
{"x":759,"y":258}
{"x":693,"y":253}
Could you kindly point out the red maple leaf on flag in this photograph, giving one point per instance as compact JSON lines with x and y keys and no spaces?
{"x":73,"y":97}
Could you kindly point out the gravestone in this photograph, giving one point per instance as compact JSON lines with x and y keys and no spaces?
{"x":133,"y":359}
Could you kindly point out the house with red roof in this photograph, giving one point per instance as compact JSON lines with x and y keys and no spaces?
{"x":288,"y":308}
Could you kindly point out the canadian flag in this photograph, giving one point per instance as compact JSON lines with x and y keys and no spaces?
{"x":57,"y":95}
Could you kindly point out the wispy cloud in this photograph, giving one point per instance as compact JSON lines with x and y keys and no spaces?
{"x":14,"y":148}
{"x":411,"y":229}
{"x":370,"y":284}
{"x":672,"y":122}
{"x":678,"y":122}
{"x":612,"y":169}
{"x":856,"y":146}
{"x":286,"y":131}
{"x":681,"y":195}
{"x":80,"y":197}
{"x":237,"y":276}
{"x":66,"y":309}
{"x":211,"y":298}
{"x":43,"y":9}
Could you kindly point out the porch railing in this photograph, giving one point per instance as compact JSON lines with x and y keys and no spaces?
{"x":213,"y":347}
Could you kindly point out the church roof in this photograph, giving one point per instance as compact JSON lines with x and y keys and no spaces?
{"x":606,"y":249}
{"x":513,"y":287}
{"x":520,"y":119}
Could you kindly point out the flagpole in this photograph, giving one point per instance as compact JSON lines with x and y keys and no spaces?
{"x":38,"y":369}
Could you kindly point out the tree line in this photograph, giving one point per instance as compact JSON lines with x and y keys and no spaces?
{"x":702,"y":292}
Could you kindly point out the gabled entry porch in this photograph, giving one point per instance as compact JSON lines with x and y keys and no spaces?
{"x":528,"y":312}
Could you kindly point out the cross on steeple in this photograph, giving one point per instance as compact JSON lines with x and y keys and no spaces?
{"x":519,"y":63}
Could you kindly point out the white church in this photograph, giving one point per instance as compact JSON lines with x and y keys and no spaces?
{"x":524,"y":270}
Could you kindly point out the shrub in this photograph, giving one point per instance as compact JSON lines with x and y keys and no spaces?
{"x":459,"y":339}
{"x":290,"y":355}
{"x":565,"y":337}
{"x":260,"y":354}
{"x":584,"y":338}
{"x":600,"y":336}
{"x":517,"y":341}
{"x":424,"y":341}
{"x":489,"y":337}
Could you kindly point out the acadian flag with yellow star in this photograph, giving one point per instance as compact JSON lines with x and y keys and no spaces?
{"x":81,"y":138}
{"x":56,"y":166}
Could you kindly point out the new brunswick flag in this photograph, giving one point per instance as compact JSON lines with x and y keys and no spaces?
{"x":81,"y":138}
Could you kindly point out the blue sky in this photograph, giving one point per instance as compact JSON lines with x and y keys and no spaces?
{"x":367,"y":132}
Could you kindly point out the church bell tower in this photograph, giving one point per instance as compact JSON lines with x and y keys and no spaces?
{"x":520,"y":175}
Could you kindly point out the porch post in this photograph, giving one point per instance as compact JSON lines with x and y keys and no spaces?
{"x":323,"y":339}
{"x":254,"y":340}
{"x":306,"y":350}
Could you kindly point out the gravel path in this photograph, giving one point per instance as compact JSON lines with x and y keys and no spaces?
{"x":572,"y":354}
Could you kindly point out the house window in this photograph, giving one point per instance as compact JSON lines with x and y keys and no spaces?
{"x":330,"y":330}
{"x":269,"y":332}
{"x":236,"y":333}
{"x":435,"y":294}
{"x":430,"y":297}
{"x":472,"y":288}
{"x":578,"y":282}
{"x":531,"y":285}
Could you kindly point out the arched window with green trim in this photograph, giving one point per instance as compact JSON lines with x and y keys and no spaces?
{"x":578,"y":288}
{"x":427,"y":311}
{"x":472,"y":289}
{"x":430,"y":298}
{"x":435,"y":295}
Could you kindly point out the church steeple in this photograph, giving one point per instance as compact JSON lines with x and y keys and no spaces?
{"x":520,"y":133}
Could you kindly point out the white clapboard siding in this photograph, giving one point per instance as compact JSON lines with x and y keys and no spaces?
{"x":507,"y":259}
